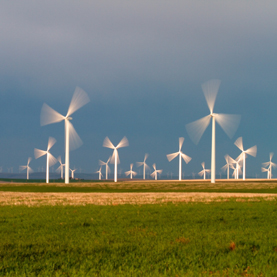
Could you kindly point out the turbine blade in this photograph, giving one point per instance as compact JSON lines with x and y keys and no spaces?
{"x":153,"y":174}
{"x":274,"y":165}
{"x":22,"y":167}
{"x":181,"y":141}
{"x":145,"y":157}
{"x":210,"y":90}
{"x":113,"y":157}
{"x":52,"y":159}
{"x":271,"y":155}
{"x":49,"y":115}
{"x":201,"y":173}
{"x":228,"y":122}
{"x":127,"y":173}
{"x":186,"y":158}
{"x":59,"y":159}
{"x":107,"y":143}
{"x":139,"y":164}
{"x":79,"y":99}
{"x":264,"y":169}
{"x":172,"y":156}
{"x":131,"y":166}
{"x":226,"y":157}
{"x":74,"y":139}
{"x":239,"y":143}
{"x":266,"y":164}
{"x":29,"y":160}
{"x":231,"y":160}
{"x":252,"y":151}
{"x":197,"y":128}
{"x":101,"y":162}
{"x":123,"y":143}
{"x":203,"y":165}
{"x":31,"y":170}
{"x":159,"y":171}
{"x":225,"y":167}
{"x":147,"y":167}
{"x":39,"y":153}
{"x":134,"y":173}
{"x":51,"y":142}
{"x":59,"y":168}
{"x":154,"y":166}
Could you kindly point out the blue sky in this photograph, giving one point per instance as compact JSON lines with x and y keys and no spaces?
{"x":142,"y":64}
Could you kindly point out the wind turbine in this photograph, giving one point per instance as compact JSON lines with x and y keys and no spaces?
{"x":251,"y":151}
{"x":72,"y":139}
{"x":228,"y":122}
{"x":154,"y":174}
{"x":186,"y":158}
{"x":229,"y":162}
{"x":131,"y":172}
{"x":99,"y":172}
{"x":50,"y":159}
{"x":29,"y":169}
{"x":266,"y":170}
{"x":270,"y":164}
{"x":72,"y":173}
{"x":107,"y":166}
{"x":60,"y":168}
{"x":144,"y":165}
{"x":204,"y":171}
{"x":115,"y":159}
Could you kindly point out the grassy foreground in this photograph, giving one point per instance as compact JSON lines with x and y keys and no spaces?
{"x":196,"y":239}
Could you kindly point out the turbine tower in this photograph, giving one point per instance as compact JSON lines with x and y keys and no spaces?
{"x":204,"y":171}
{"x":228,"y":122}
{"x":72,"y":139}
{"x":50,"y":159}
{"x":99,"y":173}
{"x":251,"y":151}
{"x":270,"y":164}
{"x":29,"y":169}
{"x":131,"y":172}
{"x":60,"y":168}
{"x":154,"y":174}
{"x":144,"y":165}
{"x":107,"y":166}
{"x":115,"y":159}
{"x":186,"y":158}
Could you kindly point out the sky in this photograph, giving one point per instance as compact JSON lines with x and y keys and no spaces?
{"x":142,"y":63}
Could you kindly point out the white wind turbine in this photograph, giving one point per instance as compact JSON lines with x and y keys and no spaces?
{"x":29,"y":169}
{"x":229,"y":162}
{"x":72,"y":173}
{"x":50,"y":159}
{"x":186,"y":158}
{"x":60,"y":168}
{"x":145,"y":166}
{"x":72,"y":140}
{"x":154,"y":174}
{"x":99,"y":172}
{"x":270,"y":164}
{"x":131,"y":172}
{"x":228,"y":122}
{"x":204,"y":171}
{"x":252,"y":151}
{"x":107,"y":166}
{"x":266,"y":170}
{"x":115,"y":159}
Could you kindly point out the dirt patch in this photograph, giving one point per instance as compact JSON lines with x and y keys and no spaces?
{"x":37,"y":199}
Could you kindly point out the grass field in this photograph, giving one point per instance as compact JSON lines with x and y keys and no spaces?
{"x":226,"y":238}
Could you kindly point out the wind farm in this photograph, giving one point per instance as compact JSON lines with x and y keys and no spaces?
{"x":137,"y":138}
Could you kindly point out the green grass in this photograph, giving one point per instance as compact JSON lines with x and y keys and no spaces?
{"x":148,"y":240}
{"x":147,"y":186}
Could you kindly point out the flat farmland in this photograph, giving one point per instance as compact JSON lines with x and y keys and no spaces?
{"x":188,"y":228}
